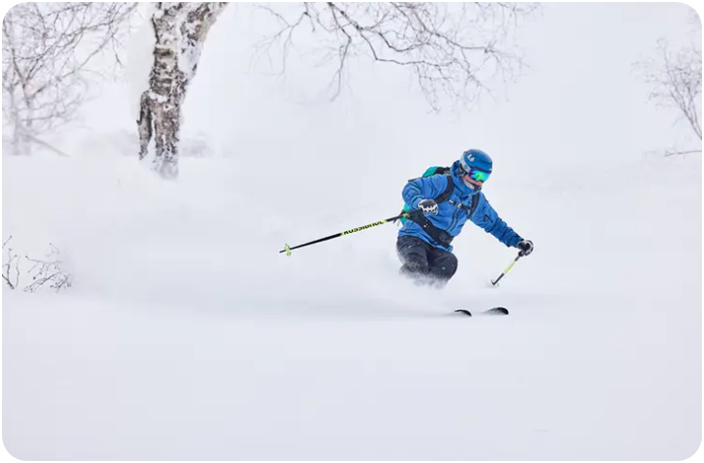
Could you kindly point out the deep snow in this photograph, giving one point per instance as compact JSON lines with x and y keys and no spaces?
{"x":185,"y":339}
{"x":188,"y":336}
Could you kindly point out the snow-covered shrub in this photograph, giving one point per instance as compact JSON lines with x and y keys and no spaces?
{"x":48,"y":271}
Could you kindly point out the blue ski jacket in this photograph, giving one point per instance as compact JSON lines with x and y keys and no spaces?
{"x":450,"y":217}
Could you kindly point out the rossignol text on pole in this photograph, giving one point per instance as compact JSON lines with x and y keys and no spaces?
{"x":287,"y":249}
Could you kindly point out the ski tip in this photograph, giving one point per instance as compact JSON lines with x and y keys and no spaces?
{"x":493,"y":311}
{"x":499,"y":310}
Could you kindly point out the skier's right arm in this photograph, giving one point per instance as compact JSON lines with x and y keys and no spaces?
{"x":423,"y":188}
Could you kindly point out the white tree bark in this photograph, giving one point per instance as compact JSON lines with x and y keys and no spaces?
{"x":180,"y":30}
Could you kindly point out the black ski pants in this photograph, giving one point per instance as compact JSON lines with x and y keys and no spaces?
{"x":425,"y":263}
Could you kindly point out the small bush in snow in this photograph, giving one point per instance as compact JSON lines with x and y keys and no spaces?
{"x":10,"y":266}
{"x":47,"y":272}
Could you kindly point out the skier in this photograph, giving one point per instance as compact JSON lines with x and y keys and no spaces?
{"x":438,"y":207}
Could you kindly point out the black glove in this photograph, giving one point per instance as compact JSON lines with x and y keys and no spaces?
{"x":428,"y":206}
{"x":526,"y":247}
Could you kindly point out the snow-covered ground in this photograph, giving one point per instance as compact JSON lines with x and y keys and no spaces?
{"x":187,"y":335}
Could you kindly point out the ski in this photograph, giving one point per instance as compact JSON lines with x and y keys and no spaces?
{"x":494,"y":311}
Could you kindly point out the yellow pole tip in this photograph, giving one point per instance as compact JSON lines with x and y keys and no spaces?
{"x":288,"y":250}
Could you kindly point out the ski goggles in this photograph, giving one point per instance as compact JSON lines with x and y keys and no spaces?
{"x":476,"y":174}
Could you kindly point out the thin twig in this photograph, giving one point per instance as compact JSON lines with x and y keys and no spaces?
{"x":452,"y":50}
{"x":681,"y":153}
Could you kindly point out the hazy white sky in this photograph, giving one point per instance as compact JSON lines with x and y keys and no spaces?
{"x":579,"y":99}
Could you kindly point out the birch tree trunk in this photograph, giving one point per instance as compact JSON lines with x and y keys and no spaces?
{"x":180,"y":30}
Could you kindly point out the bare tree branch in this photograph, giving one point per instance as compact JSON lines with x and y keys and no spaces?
{"x":452,"y":50}
{"x":48,"y":271}
{"x":681,"y":153}
{"x":11,"y":263}
{"x":676,"y":81}
{"x":47,"y":49}
{"x":50,"y":147}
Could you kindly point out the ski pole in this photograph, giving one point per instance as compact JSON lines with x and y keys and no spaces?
{"x":507,"y":269}
{"x":287,"y":249}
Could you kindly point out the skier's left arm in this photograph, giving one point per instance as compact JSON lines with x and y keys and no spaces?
{"x":487,"y":218}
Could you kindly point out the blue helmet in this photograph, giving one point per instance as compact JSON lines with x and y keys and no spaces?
{"x":476,"y":159}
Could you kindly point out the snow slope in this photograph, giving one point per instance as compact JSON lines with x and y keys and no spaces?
{"x":188,"y":336}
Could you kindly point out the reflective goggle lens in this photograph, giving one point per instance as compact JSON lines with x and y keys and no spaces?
{"x":478,"y":175}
